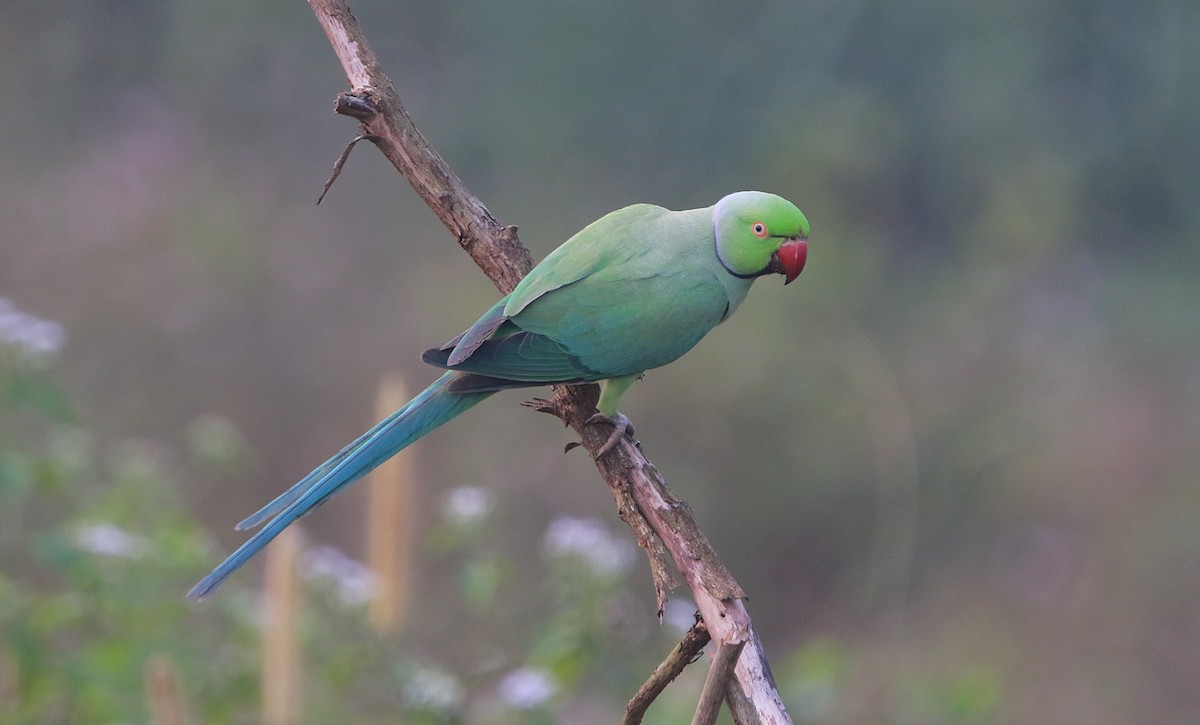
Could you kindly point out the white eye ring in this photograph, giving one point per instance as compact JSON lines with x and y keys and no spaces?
{"x":759,"y":230}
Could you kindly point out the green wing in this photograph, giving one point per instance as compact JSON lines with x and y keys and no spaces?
{"x":626,"y":325}
{"x":516,"y":359}
{"x":632,"y":291}
{"x":600,"y":245}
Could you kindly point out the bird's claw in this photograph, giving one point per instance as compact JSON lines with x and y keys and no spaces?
{"x":541,"y":405}
{"x":622,"y":427}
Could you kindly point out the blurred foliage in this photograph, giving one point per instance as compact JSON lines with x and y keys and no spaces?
{"x":964,"y":442}
{"x":91,"y":596}
{"x":96,"y":545}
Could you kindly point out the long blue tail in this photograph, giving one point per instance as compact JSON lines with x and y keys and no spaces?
{"x":433,"y":407}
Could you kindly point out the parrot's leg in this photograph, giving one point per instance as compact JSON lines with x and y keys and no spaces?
{"x":611,"y":391}
{"x":621,"y":427}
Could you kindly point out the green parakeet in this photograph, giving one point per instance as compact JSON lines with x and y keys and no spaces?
{"x":632,"y":291}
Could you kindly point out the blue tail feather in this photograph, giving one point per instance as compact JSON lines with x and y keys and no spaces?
{"x":430,"y":409}
{"x":298,"y":490}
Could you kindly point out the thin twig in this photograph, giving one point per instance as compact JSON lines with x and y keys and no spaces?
{"x":337,"y":165}
{"x":719,"y":674}
{"x":641,"y":493}
{"x":682,"y":655}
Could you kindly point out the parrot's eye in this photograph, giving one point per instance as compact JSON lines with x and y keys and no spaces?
{"x":759,"y":230}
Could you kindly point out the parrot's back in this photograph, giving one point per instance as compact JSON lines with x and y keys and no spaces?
{"x":643,"y":287}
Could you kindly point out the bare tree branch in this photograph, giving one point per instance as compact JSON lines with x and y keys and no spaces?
{"x":714,"y":685}
{"x":682,"y":655}
{"x":643,"y":499}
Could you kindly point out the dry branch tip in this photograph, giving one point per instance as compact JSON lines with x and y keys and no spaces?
{"x":341,"y":161}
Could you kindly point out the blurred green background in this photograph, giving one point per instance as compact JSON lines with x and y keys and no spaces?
{"x":955,"y":465}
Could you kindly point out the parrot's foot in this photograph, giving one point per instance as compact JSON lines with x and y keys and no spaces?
{"x":621,"y":428}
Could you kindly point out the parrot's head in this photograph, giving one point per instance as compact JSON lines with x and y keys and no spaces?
{"x":758,"y":233}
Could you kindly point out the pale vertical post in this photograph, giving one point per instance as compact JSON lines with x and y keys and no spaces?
{"x":281,"y":631}
{"x":390,"y":523}
{"x":163,"y":692}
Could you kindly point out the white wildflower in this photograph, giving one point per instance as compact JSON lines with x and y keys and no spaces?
{"x":466,"y":505}
{"x":680,"y":614}
{"x":353,"y":580}
{"x":29,"y":334}
{"x":528,"y":688}
{"x":109,"y":540}
{"x":434,"y":690}
{"x":589,"y":540}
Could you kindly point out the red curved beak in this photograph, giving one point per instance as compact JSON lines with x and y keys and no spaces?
{"x":792,"y":255}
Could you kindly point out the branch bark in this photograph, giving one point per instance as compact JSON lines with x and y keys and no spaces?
{"x":662,"y":523}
